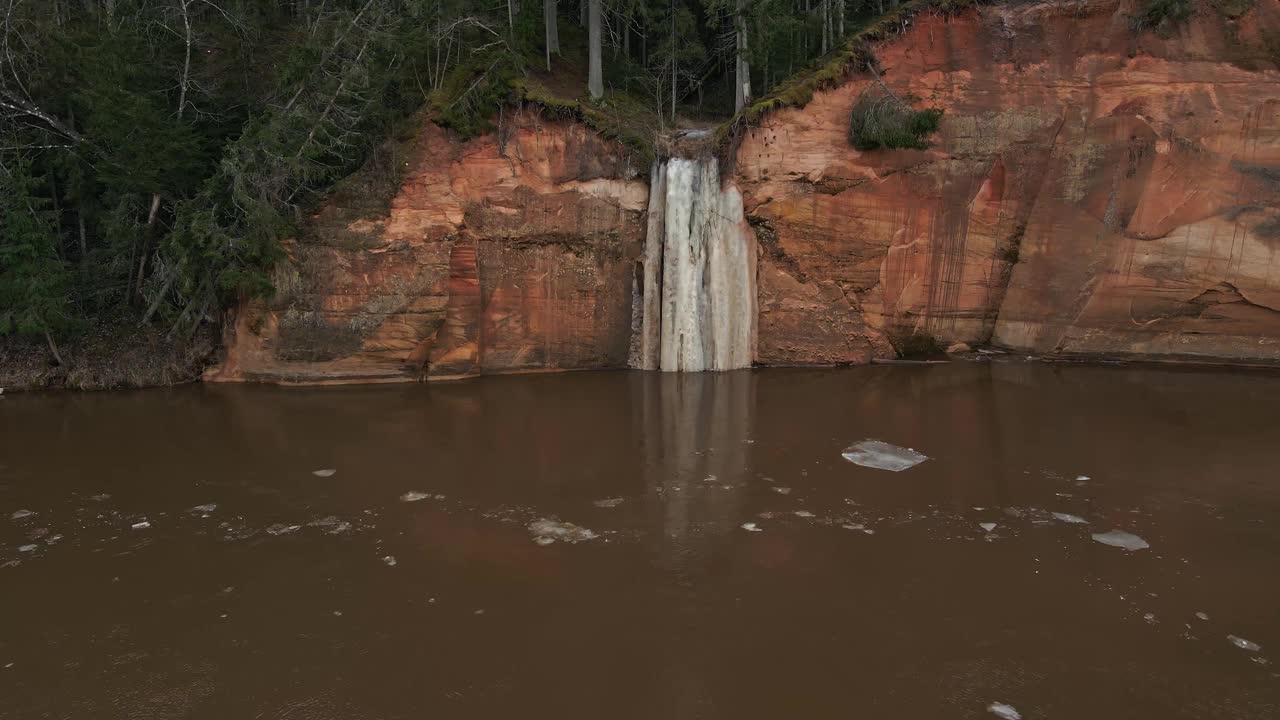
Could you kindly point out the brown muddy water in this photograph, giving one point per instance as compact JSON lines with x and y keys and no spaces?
{"x":172,"y":554}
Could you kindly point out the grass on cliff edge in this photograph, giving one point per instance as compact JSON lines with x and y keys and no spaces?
{"x":852,"y":56}
{"x":471,"y":99}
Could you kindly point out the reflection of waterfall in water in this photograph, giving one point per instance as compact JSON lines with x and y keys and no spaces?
{"x":696,"y":431}
{"x":699,"y":287}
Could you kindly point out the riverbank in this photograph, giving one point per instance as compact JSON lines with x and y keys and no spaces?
{"x":107,"y":357}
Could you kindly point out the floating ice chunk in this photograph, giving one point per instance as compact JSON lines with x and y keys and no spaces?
{"x":1202,"y":615}
{"x":1007,"y":712}
{"x":28,"y":548}
{"x":1069,"y":518}
{"x":1244,"y":644}
{"x":414,"y":496}
{"x":751,"y":527}
{"x":563,"y":531}
{"x":544,"y":540}
{"x":205,"y":508}
{"x":1121,"y":539}
{"x":141,"y":525}
{"x":327,"y":472}
{"x":803,"y":513}
{"x":854,"y":526}
{"x":1260,"y":660}
{"x":781,"y":490}
{"x":987,"y":526}
{"x":101,"y":497}
{"x":609,"y":502}
{"x":1082,"y":478}
{"x":1150,"y":618}
{"x":882,"y":456}
{"x":390,"y":560}
{"x":19,"y":514}
{"x":282,"y":529}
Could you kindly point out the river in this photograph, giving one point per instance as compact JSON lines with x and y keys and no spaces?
{"x":187,"y":553}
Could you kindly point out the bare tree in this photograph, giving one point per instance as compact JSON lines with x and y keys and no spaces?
{"x":742,"y":85}
{"x":595,"y":75}
{"x":553,"y":31}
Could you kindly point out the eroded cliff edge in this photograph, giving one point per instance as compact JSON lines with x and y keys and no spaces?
{"x":1092,"y":192}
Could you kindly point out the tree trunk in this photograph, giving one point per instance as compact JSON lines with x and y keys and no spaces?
{"x":549,"y":22}
{"x":742,"y":86}
{"x":595,"y":76}
{"x":673,"y":61}
{"x":840,"y":16}
{"x":84,"y":243}
{"x":52,"y":347}
{"x":554,"y":19}
{"x":826,"y":25}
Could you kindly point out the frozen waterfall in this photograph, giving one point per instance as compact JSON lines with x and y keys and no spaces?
{"x":698,"y":306}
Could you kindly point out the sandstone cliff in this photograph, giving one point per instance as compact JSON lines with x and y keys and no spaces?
{"x":1092,"y":192}
{"x":510,"y":252}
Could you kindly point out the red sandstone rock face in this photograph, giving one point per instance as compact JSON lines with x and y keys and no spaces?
{"x":1091,"y":192}
{"x":511,"y":252}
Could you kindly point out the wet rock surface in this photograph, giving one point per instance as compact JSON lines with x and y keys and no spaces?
{"x":411,"y":582}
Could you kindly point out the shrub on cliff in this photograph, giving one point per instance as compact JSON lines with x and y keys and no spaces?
{"x":880,"y":119}
{"x":1161,"y":15}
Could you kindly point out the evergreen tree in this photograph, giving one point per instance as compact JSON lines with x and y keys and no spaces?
{"x":33,"y":279}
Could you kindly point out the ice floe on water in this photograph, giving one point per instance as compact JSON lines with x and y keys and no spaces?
{"x":609,"y":502}
{"x":1003,"y":711}
{"x":1244,"y":644}
{"x":751,"y":527}
{"x":803,"y":514}
{"x":1202,"y":615}
{"x":19,"y":514}
{"x":327,"y":472}
{"x":1069,"y":518}
{"x":205,"y":508}
{"x":882,"y":456}
{"x":143,"y":525}
{"x":332,"y":524}
{"x":1121,"y":539}
{"x":28,"y":548}
{"x":282,"y":529}
{"x":545,"y":532}
{"x":389,"y":560}
{"x":781,"y":490}
{"x":987,"y":526}
{"x":414,"y":496}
